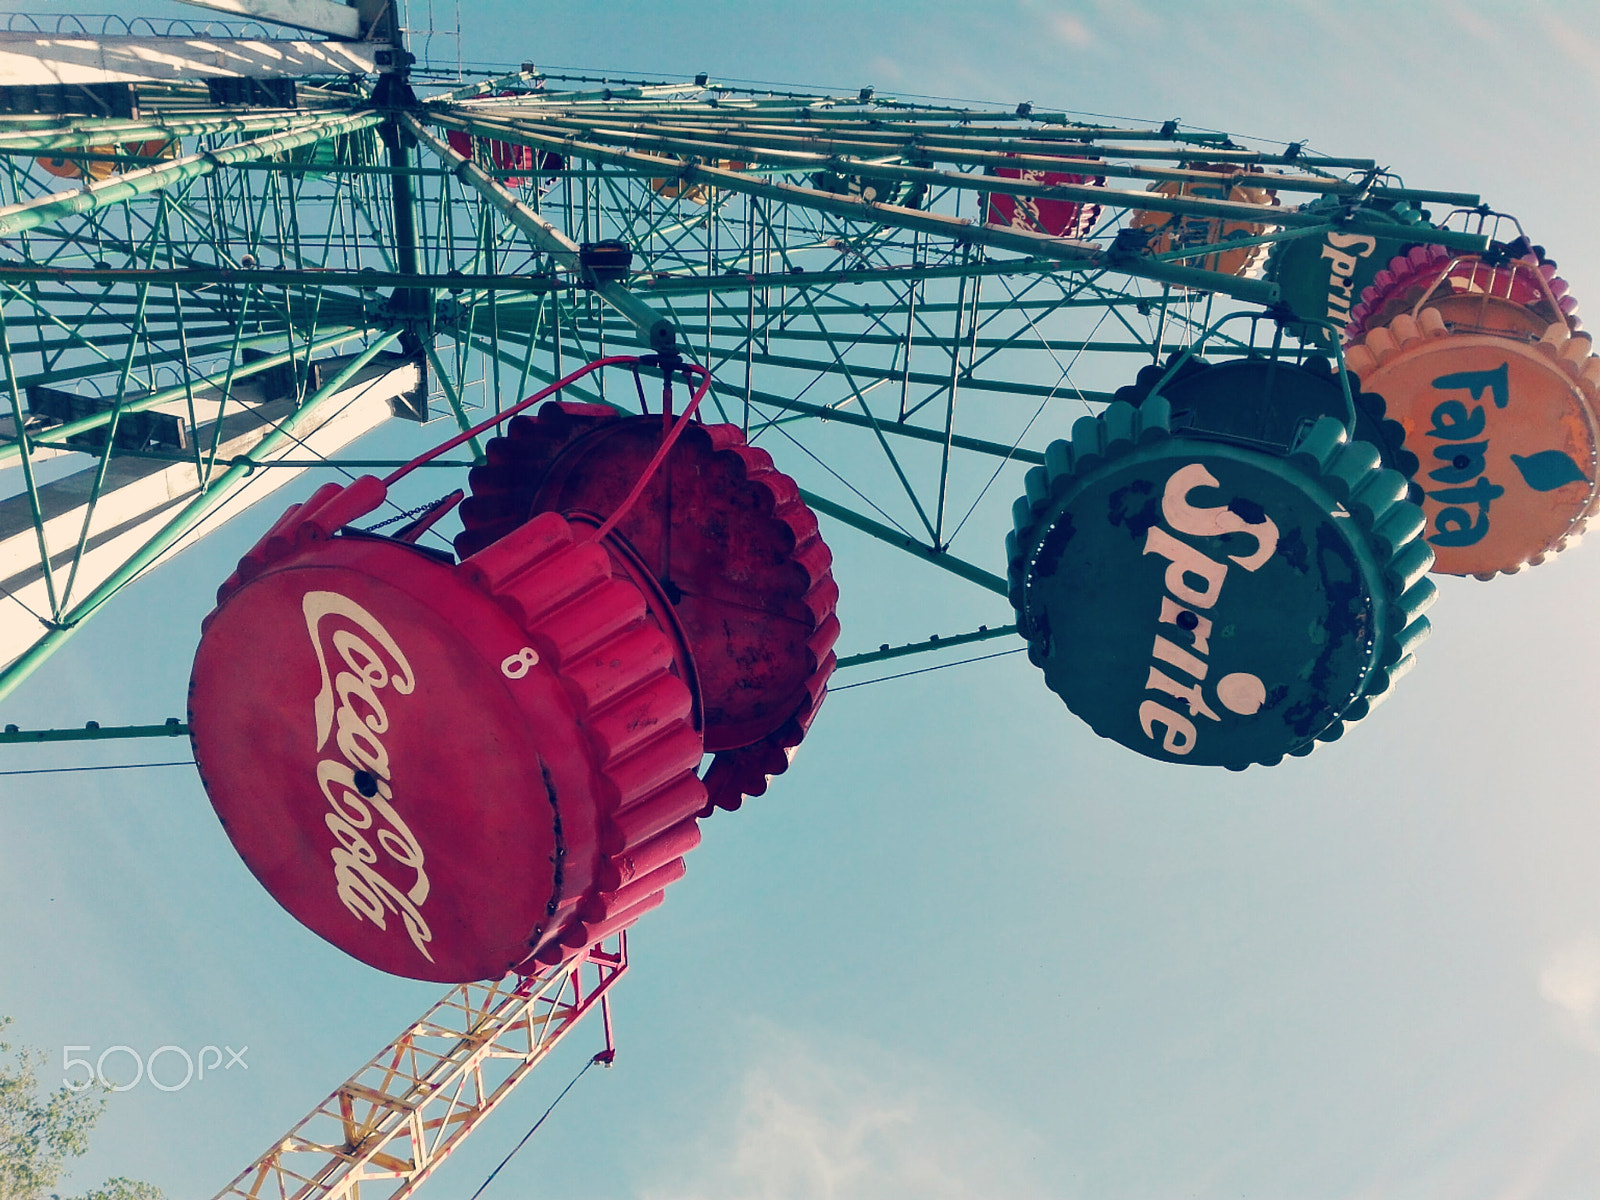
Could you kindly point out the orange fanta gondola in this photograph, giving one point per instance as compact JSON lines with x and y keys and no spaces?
{"x":675,"y":187}
{"x":96,"y":169}
{"x":1177,"y":231}
{"x":91,"y":169}
{"x":1496,"y":393}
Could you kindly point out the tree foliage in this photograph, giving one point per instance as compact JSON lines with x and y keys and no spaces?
{"x":40,"y":1131}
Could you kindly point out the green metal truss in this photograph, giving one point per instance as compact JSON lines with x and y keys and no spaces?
{"x":826,"y":256}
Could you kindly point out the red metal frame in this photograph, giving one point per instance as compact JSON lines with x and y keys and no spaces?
{"x":385,"y":1129}
{"x":689,"y":370}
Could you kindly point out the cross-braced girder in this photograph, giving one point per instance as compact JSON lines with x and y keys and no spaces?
{"x":837,"y":261}
{"x":387,"y":1128}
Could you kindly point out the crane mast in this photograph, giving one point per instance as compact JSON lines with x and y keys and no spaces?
{"x":385,"y":1130}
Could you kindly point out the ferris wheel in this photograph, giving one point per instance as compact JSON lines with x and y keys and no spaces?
{"x":663,"y":342}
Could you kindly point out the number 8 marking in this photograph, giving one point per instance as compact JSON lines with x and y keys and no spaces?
{"x":516,"y":666}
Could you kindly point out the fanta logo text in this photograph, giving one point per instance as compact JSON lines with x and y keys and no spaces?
{"x":1342,"y":270}
{"x":1463,"y":455}
{"x":1194,"y":582}
{"x":356,"y":781}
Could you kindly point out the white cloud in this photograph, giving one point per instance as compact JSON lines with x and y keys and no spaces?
{"x":886,"y":69}
{"x":1570,"y":980}
{"x":1066,"y":28}
{"x":1475,"y":25}
{"x":1568,"y":40}
{"x":1130,"y":15}
{"x":810,"y":1124}
{"x":1070,"y":30}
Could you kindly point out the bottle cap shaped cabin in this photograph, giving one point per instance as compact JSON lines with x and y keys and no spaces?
{"x":1221,"y":575}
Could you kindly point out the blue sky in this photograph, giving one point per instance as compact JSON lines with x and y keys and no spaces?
{"x":964,"y":947}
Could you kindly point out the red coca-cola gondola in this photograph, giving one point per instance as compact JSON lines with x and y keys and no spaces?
{"x":451,"y":770}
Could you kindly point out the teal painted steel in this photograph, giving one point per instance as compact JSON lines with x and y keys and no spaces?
{"x":1210,"y":602}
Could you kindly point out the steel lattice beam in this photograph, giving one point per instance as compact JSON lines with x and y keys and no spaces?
{"x":390,"y":1125}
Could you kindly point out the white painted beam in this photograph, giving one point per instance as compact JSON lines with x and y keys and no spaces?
{"x":141,"y":495}
{"x":39,"y":59}
{"x":324,"y":16}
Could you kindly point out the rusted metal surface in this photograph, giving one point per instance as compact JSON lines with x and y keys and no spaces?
{"x":729,"y":542}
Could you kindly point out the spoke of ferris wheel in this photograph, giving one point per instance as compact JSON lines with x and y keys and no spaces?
{"x":869,"y":133}
{"x":1073,"y":255}
{"x":488,"y":86}
{"x":919,"y":378}
{"x":821,"y":412}
{"x":657,"y":332}
{"x":166,"y":347}
{"x":897,"y":538}
{"x":802,"y":153}
{"x":81,"y":131}
{"x":176,"y":250}
{"x":106,"y":455}
{"x":390,"y":1125}
{"x":197,"y":352}
{"x":51,"y":207}
{"x":332,"y":338}
{"x":758,"y":146}
{"x":698,"y":134}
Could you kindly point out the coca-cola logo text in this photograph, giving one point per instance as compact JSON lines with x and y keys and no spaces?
{"x":355,"y":777}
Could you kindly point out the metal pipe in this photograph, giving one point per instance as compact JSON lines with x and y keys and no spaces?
{"x":805,"y":151}
{"x":1121,"y":198}
{"x":402,"y":204}
{"x":982,"y":634}
{"x":498,"y":83}
{"x":613,"y":94}
{"x":960,"y":127}
{"x":306,"y":277}
{"x":452,"y":397}
{"x":1081,"y":256}
{"x":42,"y":210}
{"x":104,"y":130}
{"x":92,"y":732}
{"x":953,"y":137}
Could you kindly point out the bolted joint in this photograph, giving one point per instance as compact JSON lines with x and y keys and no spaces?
{"x":447,"y":312}
{"x":600,"y":263}
{"x":393,"y":93}
{"x":393,"y":59}
{"x":409,"y":307}
{"x":664,"y":338}
{"x":1130,"y":243}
